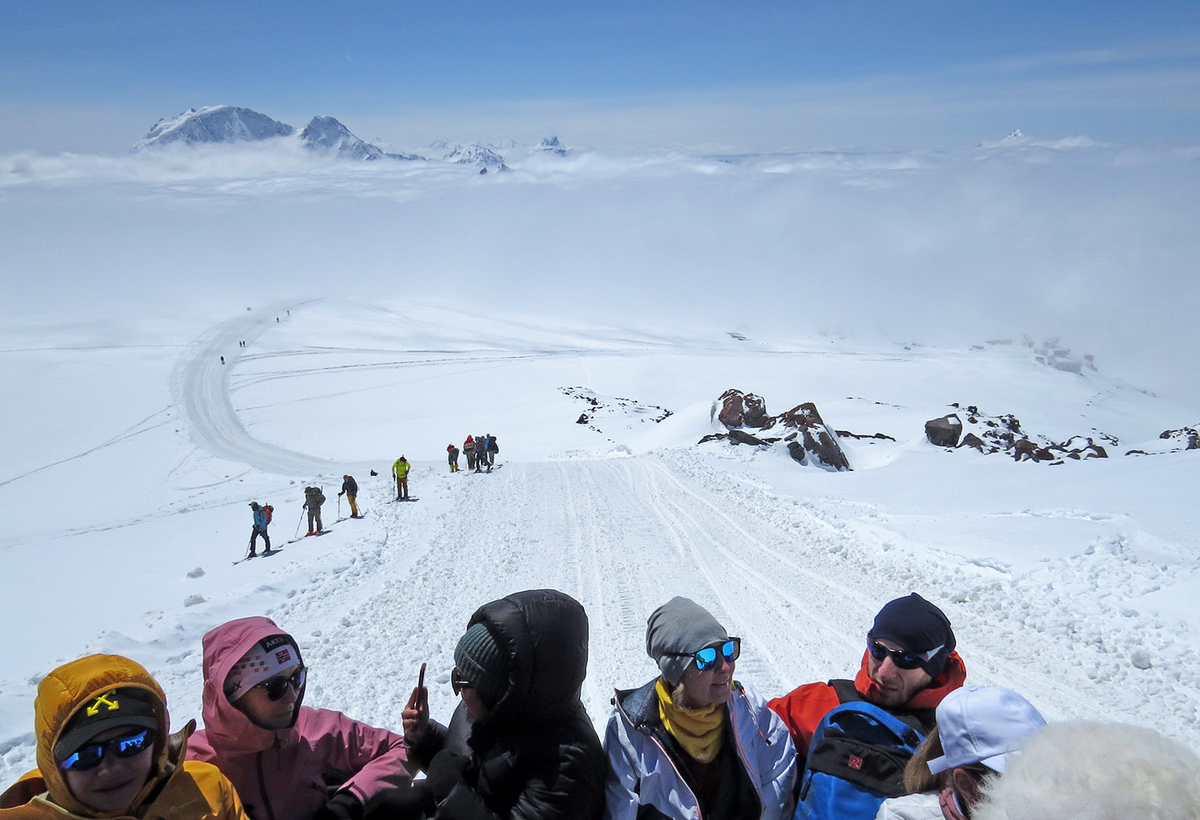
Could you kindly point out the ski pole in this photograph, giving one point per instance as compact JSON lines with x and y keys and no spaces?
{"x":339,"y":506}
{"x":299,"y":523}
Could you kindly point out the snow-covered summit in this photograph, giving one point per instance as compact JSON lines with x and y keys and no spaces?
{"x":214,"y":123}
{"x":329,"y":135}
{"x":473,"y":154}
{"x":550,"y":145}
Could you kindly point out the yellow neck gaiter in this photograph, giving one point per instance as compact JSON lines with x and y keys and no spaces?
{"x":699,"y":731}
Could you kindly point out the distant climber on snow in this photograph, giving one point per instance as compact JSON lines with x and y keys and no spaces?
{"x":313,"y":499}
{"x":400,"y":471}
{"x":452,"y":457}
{"x":492,"y":449}
{"x":469,"y":449}
{"x":350,"y":490}
{"x":262,"y":520}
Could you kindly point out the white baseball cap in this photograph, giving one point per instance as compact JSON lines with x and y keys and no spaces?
{"x":983,"y":724}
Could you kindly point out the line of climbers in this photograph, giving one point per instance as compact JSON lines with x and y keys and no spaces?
{"x":692,"y":743}
{"x":481,"y":453}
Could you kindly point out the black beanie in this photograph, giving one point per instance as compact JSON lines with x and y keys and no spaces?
{"x":483,"y":663}
{"x":916,"y":626}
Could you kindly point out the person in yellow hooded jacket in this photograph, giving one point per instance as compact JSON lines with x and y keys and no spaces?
{"x":104,"y":750}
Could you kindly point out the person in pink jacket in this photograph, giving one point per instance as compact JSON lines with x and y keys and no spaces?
{"x":287,"y":761}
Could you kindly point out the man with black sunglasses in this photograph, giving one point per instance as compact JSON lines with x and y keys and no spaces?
{"x":908,"y":666}
{"x":104,"y":749}
{"x":287,"y":760}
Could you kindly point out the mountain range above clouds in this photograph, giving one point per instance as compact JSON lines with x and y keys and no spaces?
{"x":228,"y":124}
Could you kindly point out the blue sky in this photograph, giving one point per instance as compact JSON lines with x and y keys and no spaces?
{"x":79,"y":75}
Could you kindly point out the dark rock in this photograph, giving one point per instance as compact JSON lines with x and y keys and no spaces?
{"x":848,"y":434}
{"x":797,"y":452}
{"x":818,"y":439}
{"x":583,"y":419}
{"x":1187,"y":436}
{"x":972,"y":440}
{"x":712,"y":437}
{"x":742,"y":437}
{"x":738,"y":409}
{"x":944,"y":432}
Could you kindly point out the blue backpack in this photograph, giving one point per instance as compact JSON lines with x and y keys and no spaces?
{"x":855,"y":761}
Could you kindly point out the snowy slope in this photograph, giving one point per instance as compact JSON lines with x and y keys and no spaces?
{"x":125,"y":494}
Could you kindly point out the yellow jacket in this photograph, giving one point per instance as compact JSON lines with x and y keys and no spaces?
{"x":175,"y":790}
{"x":400,"y":468}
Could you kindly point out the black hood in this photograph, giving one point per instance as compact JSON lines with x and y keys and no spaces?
{"x":545,"y":635}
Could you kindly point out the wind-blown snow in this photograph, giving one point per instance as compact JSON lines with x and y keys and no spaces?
{"x":135,"y":452}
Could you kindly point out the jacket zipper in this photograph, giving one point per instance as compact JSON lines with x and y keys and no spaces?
{"x":262,"y":787}
{"x":753,"y":774}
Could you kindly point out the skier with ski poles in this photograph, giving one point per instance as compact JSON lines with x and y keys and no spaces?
{"x":262,"y":519}
{"x":350,"y":490}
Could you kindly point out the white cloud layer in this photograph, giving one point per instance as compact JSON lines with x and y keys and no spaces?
{"x":1071,"y":237}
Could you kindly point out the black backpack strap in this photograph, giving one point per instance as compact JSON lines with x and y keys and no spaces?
{"x":846,"y":691}
{"x":923,"y":720}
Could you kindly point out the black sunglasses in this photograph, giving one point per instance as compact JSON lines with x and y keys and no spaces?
{"x":89,"y":755}
{"x":902,"y":659}
{"x":458,"y":682}
{"x":276,"y":688}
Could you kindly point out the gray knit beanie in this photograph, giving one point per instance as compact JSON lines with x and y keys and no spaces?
{"x":675,"y":631}
{"x":483,"y":663}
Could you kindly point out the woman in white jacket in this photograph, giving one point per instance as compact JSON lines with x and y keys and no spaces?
{"x":694,"y":742}
{"x":978,"y":729}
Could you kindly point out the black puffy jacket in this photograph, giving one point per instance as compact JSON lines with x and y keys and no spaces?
{"x":536,"y":755}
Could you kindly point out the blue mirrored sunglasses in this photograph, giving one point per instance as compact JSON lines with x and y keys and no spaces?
{"x":89,"y":755}
{"x":707,"y":656}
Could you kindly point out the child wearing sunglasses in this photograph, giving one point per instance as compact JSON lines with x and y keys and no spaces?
{"x":290,"y":761}
{"x":104,"y":749}
{"x":693,"y":741}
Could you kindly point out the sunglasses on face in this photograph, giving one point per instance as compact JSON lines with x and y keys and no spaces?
{"x":89,"y":756}
{"x":902,"y":659}
{"x":458,"y":682}
{"x":707,"y":657}
{"x":276,"y":688}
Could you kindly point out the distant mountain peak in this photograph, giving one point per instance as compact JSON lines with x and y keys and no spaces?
{"x":473,"y":154}
{"x":327,"y":134}
{"x":551,"y":145}
{"x":214,"y":123}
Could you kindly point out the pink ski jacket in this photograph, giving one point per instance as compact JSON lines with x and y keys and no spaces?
{"x":278,"y":773}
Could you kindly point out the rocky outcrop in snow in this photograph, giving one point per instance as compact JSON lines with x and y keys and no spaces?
{"x":1003,"y":434}
{"x":804,"y":433}
{"x":212,"y":124}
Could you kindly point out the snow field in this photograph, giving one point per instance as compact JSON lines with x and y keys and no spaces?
{"x":1071,"y":584}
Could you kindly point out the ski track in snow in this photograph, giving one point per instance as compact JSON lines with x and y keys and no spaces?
{"x":798,"y":580}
